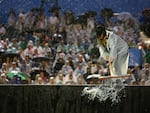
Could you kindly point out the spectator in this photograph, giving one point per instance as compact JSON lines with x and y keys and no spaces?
{"x":11,"y":18}
{"x":70,"y":78}
{"x":4,"y":69}
{"x":39,"y":81}
{"x":51,"y":81}
{"x":72,"y":46}
{"x":25,"y":67}
{"x":66,"y":68}
{"x":2,"y":30}
{"x":3,"y":79}
{"x":38,"y":50}
{"x":44,"y":66}
{"x":145,"y":72}
{"x":41,"y":22}
{"x":59,"y":64}
{"x":14,"y":67}
{"x":60,"y":79}
{"x":43,"y":76}
{"x":61,"y":46}
{"x":80,"y":80}
{"x":29,"y":50}
{"x":20,"y":23}
{"x":79,"y":70}
{"x":29,"y":20}
{"x":47,"y":50}
{"x":53,"y":22}
{"x":22,"y":43}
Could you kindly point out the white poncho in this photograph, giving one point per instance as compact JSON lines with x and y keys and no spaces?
{"x":116,"y":49}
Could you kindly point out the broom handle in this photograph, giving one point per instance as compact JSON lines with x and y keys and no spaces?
{"x":109,"y":77}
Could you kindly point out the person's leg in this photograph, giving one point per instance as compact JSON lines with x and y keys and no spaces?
{"x":122,"y":64}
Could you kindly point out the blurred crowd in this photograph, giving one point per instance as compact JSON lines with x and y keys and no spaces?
{"x":52,"y":50}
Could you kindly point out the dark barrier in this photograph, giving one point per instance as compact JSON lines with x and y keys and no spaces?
{"x":68,"y":99}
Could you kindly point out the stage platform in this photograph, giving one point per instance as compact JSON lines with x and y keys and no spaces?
{"x":68,"y":99}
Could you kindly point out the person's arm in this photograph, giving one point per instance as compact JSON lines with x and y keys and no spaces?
{"x":103,"y":52}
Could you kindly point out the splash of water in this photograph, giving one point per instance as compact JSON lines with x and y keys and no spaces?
{"x":112,"y":91}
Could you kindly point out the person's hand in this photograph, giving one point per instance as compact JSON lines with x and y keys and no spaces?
{"x":107,"y":58}
{"x":110,"y":61}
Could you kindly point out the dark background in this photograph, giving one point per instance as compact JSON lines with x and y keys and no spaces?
{"x":69,"y":99}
